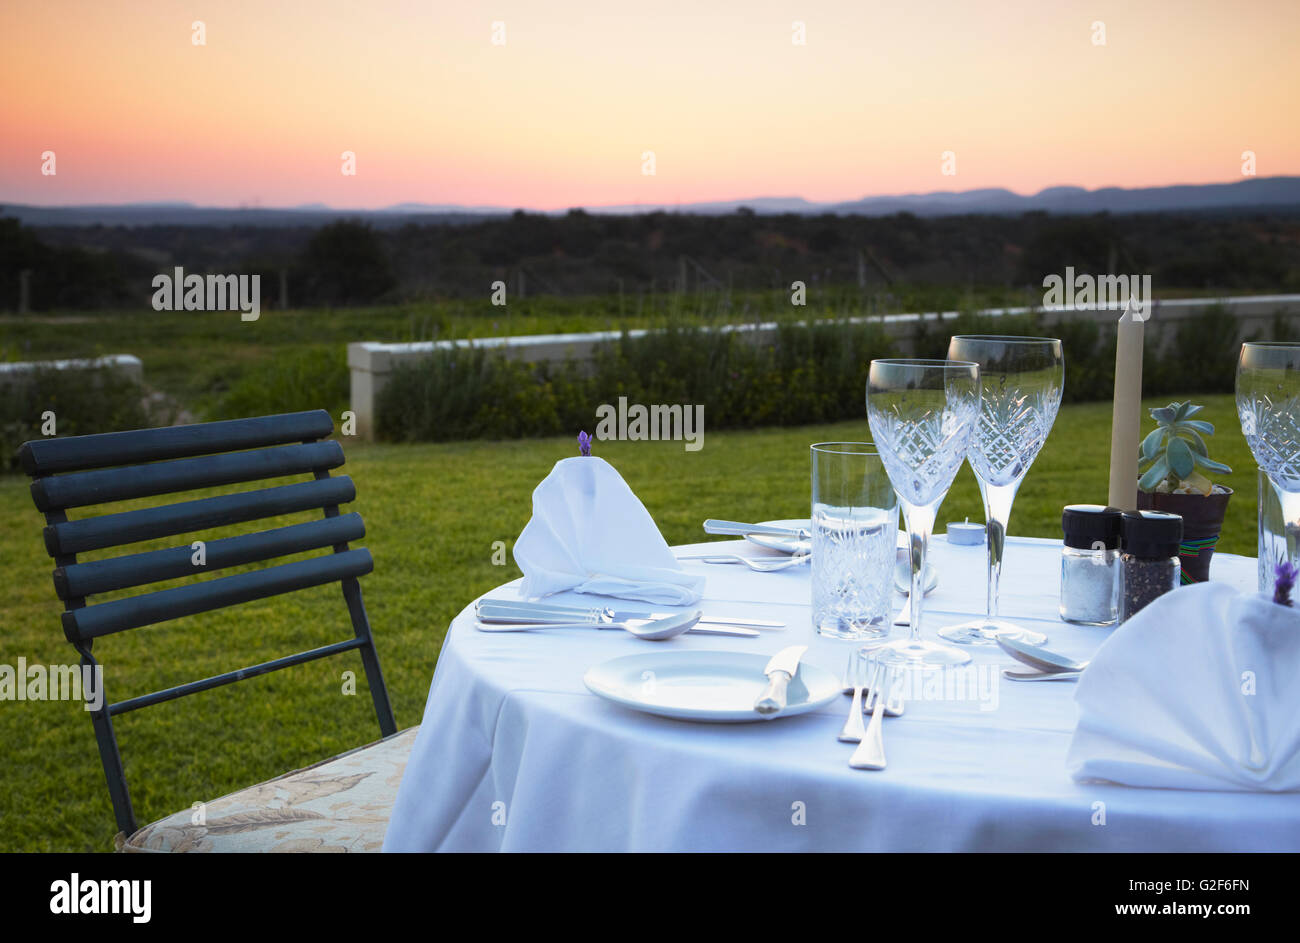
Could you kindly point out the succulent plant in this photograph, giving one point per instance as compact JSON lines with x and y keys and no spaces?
{"x":1173,"y":456}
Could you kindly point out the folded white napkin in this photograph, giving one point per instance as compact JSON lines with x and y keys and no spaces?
{"x":591,"y":534}
{"x":1199,"y":690}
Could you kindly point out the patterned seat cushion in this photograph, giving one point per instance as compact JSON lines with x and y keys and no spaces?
{"x":339,"y":804}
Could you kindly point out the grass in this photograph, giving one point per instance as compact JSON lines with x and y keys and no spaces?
{"x":432,"y":515}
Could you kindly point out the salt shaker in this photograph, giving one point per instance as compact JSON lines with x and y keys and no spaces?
{"x":1149,"y":565}
{"x":1090,"y":564}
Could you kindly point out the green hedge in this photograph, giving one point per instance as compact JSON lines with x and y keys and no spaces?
{"x":810,"y":373}
{"x":313,"y":378}
{"x":84,"y":401}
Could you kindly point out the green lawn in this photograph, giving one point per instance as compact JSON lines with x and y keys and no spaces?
{"x":432,"y":514}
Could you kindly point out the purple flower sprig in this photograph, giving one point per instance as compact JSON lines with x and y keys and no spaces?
{"x":1285,"y":582}
{"x":584,"y":444}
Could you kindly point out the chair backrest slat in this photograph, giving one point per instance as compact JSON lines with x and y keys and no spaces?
{"x":103,"y":576}
{"x":163,"y":605}
{"x":104,"y":485}
{"x":76,"y":453}
{"x":112,"y":530}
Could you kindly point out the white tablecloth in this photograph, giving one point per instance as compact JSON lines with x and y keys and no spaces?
{"x":516,"y":755}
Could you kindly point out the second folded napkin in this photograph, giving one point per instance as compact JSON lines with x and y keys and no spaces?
{"x":1197,"y":691}
{"x":591,"y":534}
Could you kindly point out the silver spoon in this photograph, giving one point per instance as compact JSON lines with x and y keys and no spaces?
{"x":903,"y":575}
{"x":1040,"y":658}
{"x":655,"y":631}
{"x":1012,"y":675}
{"x":758,"y":566}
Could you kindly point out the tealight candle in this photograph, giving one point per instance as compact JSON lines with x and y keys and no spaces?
{"x":965,"y":533}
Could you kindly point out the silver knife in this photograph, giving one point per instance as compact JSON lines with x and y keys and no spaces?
{"x":497,"y":614}
{"x":696,"y":629}
{"x":780,"y":669}
{"x":505,"y":609}
{"x":711,"y":620}
{"x":738,"y":529}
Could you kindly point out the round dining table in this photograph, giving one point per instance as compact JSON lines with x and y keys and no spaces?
{"x":516,"y":754}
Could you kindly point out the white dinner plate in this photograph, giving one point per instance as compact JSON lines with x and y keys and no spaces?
{"x":706,"y":687}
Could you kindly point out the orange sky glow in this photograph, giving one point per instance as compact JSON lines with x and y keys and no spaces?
{"x":562,"y":112}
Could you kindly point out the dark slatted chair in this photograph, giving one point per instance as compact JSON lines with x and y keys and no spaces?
{"x":340,"y":804}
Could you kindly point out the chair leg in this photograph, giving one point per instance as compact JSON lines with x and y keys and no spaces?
{"x":114,"y":772}
{"x":369,"y":656}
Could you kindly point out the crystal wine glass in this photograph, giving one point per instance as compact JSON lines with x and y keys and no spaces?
{"x":1021,"y":380}
{"x":1268,"y":405}
{"x":921,"y":413}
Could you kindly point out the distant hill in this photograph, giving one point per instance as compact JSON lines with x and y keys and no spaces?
{"x":1272,"y":193}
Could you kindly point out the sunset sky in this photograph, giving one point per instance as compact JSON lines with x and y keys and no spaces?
{"x":561,"y":113}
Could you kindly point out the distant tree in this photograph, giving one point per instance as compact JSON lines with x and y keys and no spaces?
{"x":826,"y":239}
{"x":65,"y":276}
{"x":345,"y":263}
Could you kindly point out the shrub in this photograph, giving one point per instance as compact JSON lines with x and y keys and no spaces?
{"x":314,"y":378}
{"x":83,"y":401}
{"x":1190,"y":356}
{"x":1089,"y":347}
{"x":806,"y":373}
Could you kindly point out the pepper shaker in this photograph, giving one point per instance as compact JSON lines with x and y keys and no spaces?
{"x":1149,"y":565}
{"x":1090,"y":564}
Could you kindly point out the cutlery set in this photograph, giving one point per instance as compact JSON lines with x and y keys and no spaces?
{"x":878,"y":694}
{"x":875,"y":687}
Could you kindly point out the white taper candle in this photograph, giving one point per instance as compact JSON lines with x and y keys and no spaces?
{"x":1126,"y":418}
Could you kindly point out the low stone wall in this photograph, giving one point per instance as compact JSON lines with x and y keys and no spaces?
{"x":370,"y":362}
{"x":127,"y":363}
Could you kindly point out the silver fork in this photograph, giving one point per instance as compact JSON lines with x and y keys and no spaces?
{"x":893,"y":698}
{"x":759,"y":566}
{"x":855,"y":678}
{"x":893,"y":706}
{"x":870,"y":753}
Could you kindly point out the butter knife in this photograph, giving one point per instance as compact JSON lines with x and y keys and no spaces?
{"x":780,"y":670}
